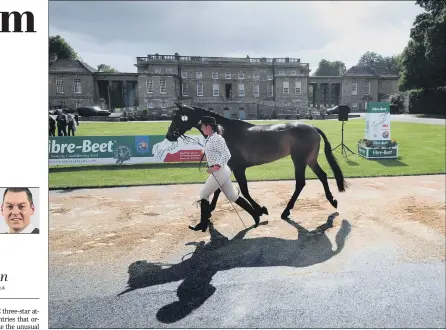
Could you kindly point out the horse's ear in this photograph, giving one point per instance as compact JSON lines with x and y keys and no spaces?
{"x":183,"y":107}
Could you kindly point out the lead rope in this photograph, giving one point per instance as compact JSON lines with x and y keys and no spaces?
{"x":199,"y":169}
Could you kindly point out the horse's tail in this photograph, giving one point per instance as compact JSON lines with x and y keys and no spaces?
{"x":340,"y":181}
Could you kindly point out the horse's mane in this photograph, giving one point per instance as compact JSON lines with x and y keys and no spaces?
{"x":224,"y":119}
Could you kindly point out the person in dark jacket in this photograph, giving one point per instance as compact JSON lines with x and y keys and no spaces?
{"x":76,"y":118}
{"x":71,"y":125}
{"x":52,"y":126}
{"x":61,"y":124}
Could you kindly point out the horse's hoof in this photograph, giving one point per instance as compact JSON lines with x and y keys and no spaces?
{"x":285,"y":215}
{"x":263,"y":210}
{"x":257,"y":221}
{"x":335,"y":203}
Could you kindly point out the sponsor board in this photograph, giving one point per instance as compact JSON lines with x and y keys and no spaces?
{"x":377,"y":122}
{"x":97,"y":150}
{"x":377,"y":153}
{"x":377,"y":132}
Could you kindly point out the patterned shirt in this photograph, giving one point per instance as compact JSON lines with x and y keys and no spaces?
{"x":217,"y":152}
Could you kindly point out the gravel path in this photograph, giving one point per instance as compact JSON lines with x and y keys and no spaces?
{"x":378,"y":263}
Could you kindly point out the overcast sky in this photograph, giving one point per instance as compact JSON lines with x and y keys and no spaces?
{"x":117,"y":32}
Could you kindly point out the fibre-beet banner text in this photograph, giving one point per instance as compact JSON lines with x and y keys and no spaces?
{"x":91,"y":150}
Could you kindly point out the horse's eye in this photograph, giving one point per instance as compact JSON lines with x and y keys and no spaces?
{"x":184,"y":118}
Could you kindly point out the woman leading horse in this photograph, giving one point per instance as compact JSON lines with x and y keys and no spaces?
{"x":218,"y":155}
{"x":252,"y":145}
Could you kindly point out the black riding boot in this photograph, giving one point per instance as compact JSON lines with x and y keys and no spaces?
{"x":205,"y":214}
{"x":243,"y":203}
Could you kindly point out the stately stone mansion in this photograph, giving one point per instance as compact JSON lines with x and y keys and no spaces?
{"x":245,"y":88}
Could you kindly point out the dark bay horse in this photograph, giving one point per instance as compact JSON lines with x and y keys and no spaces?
{"x":252,"y":145}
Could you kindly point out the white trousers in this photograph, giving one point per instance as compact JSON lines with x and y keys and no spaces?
{"x":223,"y":175}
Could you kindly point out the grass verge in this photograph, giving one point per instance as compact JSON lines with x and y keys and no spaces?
{"x":421,"y":150}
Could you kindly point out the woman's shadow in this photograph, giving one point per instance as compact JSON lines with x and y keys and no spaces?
{"x":310,"y":248}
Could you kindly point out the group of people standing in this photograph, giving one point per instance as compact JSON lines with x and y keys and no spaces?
{"x":63,"y":122}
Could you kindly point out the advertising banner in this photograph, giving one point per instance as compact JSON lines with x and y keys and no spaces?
{"x":377,"y":143}
{"x":372,"y":153}
{"x":377,"y":127}
{"x":92,"y":150}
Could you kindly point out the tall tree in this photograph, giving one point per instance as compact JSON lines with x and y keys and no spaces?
{"x":60,"y":47}
{"x":106,"y":68}
{"x":374,"y":60}
{"x":433,"y":6}
{"x":414,"y":71}
{"x":371,"y":59}
{"x":435,"y":44}
{"x":393,"y":63}
{"x":328,"y":68}
{"x":423,"y":61}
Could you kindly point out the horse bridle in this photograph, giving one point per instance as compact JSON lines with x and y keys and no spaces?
{"x":177,"y":134}
{"x":188,"y":138}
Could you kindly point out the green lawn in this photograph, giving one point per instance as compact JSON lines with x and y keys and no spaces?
{"x":422,"y":151}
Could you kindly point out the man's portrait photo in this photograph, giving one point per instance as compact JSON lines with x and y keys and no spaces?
{"x":19,"y":211}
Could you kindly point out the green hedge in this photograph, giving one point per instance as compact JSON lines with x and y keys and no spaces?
{"x":397,"y":103}
{"x":427,"y":101}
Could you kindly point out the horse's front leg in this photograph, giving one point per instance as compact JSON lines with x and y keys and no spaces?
{"x":240,"y":176}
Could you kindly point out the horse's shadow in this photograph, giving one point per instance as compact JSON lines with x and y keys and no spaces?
{"x":311,"y":247}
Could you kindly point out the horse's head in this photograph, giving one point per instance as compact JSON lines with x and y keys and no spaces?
{"x":183,"y":120}
{"x":145,"y":274}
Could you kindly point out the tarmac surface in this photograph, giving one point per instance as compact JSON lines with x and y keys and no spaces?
{"x":124,"y":258}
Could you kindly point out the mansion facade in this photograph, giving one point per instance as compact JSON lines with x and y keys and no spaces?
{"x":244,"y":88}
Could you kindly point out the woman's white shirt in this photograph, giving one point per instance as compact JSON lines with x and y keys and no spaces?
{"x":217,"y":152}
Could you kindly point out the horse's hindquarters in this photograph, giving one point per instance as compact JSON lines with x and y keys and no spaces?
{"x":267,"y":146}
